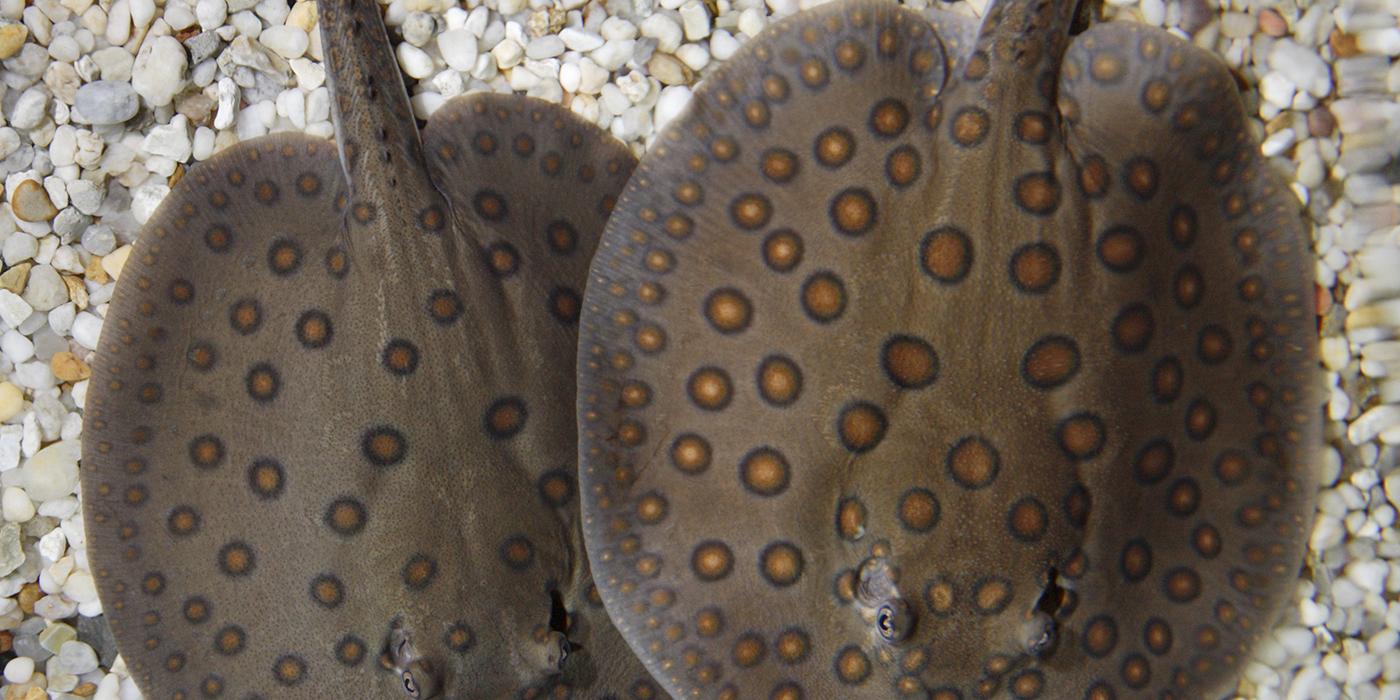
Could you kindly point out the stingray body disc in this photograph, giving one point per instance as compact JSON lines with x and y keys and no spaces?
{"x":908,"y":369}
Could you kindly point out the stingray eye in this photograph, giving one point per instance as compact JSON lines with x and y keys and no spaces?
{"x":410,"y":685}
{"x":894,"y":621}
{"x":564,"y":649}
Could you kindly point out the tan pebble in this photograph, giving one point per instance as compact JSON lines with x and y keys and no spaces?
{"x":669,"y":70}
{"x":1279,"y":123}
{"x":95,"y":272}
{"x":303,"y":15}
{"x":11,"y":401}
{"x":12,"y":36}
{"x":116,"y":260}
{"x":37,"y":692}
{"x":16,"y":278}
{"x":29,"y":594}
{"x":176,"y":176}
{"x":85,"y":690}
{"x":77,"y":291}
{"x":1343,"y":44}
{"x":68,"y":368}
{"x":1272,"y":23}
{"x":1321,"y":123}
{"x":30,"y":202}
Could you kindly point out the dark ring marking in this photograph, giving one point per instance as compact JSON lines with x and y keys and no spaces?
{"x":346,"y":516}
{"x":505,"y":417}
{"x":314,"y":329}
{"x":444,"y":306}
{"x":419,"y":571}
{"x":284,"y":257}
{"x":263,"y":382}
{"x":400,"y":357}
{"x":237,"y":559}
{"x":383,"y":446}
{"x":267,"y":478}
{"x":517,"y":553}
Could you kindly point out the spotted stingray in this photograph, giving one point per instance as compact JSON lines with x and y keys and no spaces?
{"x":331,"y":444}
{"x":924,"y":359}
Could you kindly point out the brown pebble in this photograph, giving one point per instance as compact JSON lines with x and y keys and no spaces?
{"x":1272,"y":23}
{"x":30,"y":202}
{"x":77,"y":291}
{"x":1343,"y":44}
{"x":95,"y":272}
{"x":29,"y":594}
{"x":7,"y":641}
{"x":1321,"y":123}
{"x":1195,"y":15}
{"x":68,"y":368}
{"x":85,"y":690}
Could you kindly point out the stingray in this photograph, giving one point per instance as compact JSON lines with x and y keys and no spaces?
{"x":331,"y":443}
{"x":929,"y":359}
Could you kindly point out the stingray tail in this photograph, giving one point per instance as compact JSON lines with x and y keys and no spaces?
{"x":373,"y":120}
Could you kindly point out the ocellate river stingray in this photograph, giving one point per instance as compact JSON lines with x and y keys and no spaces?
{"x":949,"y":361}
{"x":331,"y":444}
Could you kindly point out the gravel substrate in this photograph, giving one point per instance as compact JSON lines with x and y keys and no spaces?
{"x":106,"y":103}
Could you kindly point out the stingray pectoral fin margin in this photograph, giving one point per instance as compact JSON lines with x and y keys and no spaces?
{"x":734,"y":250}
{"x":193,"y":470}
{"x":531,"y":186}
{"x":1209,"y":522}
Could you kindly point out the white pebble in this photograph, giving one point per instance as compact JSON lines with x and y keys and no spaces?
{"x":507,"y":53}
{"x":672,"y":101}
{"x":723,"y":45}
{"x":1369,"y":575}
{"x":1302,"y":66}
{"x":751,"y":22}
{"x":580,"y":40}
{"x":78,"y":657}
{"x":667,"y":33}
{"x":52,"y":472}
{"x":618,"y":29}
{"x":287,"y":41}
{"x":570,"y":76}
{"x":15,"y":505}
{"x":458,"y":48}
{"x":415,"y":61}
{"x":86,"y":327}
{"x":20,"y":246}
{"x":30,"y":109}
{"x":16,"y":347}
{"x":613,"y":54}
{"x":1277,"y":89}
{"x":14,"y":310}
{"x":19,"y":670}
{"x":159,"y":71}
{"x":55,"y":607}
{"x":211,"y":14}
{"x":592,"y":77}
{"x":695,"y":20}
{"x":547,"y":46}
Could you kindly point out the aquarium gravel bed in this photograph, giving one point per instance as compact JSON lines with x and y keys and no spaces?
{"x":105,"y":105}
